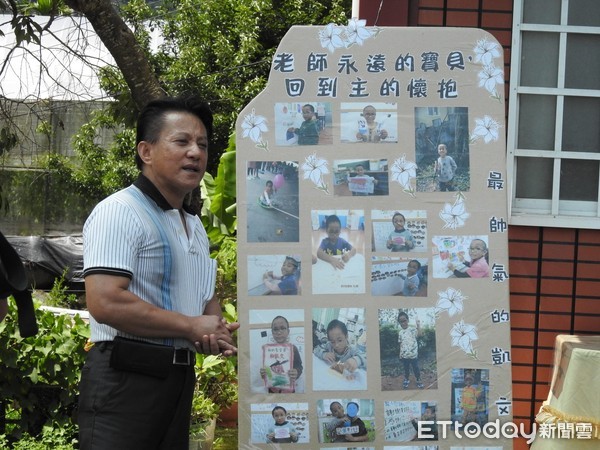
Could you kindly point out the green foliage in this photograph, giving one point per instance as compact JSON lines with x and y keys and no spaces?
{"x":54,"y":436}
{"x":223,"y":48}
{"x":219,"y":198}
{"x":58,"y":295}
{"x":40,"y":374}
{"x":388,"y":338}
{"x":216,"y":386}
{"x":99,"y":171}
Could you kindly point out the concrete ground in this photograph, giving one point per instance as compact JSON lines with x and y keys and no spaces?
{"x":273,"y":225}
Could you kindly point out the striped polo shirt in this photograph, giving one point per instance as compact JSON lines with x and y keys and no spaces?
{"x":135,"y":233}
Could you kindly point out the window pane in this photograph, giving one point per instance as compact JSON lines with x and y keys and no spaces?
{"x":539,"y":59}
{"x":584,"y":12}
{"x":537,"y":120}
{"x":583,"y":64}
{"x":542,"y":11}
{"x":534,"y":178}
{"x":581,"y":130}
{"x":578,"y":180}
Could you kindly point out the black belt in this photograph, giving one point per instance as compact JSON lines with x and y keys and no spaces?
{"x":147,"y":358}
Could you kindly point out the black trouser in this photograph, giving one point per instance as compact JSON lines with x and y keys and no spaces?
{"x":122,"y":410}
{"x":414,"y":363}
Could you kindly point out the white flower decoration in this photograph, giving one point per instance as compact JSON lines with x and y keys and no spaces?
{"x":253,"y":126}
{"x":331,"y":38}
{"x":489,"y":77}
{"x":455,"y":216}
{"x":451,"y":300}
{"x":404,"y":172}
{"x":486,"y":51}
{"x":314,"y":168}
{"x":487,"y":128}
{"x":463,"y":335}
{"x":357,"y":32}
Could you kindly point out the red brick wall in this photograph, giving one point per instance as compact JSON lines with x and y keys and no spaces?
{"x":554,"y":289}
{"x":494,"y":16}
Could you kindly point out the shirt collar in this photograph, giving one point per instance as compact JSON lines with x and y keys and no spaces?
{"x":144,"y":184}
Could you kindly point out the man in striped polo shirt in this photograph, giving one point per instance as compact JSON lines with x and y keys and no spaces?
{"x":150,"y":290}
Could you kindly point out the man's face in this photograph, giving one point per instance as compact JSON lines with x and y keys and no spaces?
{"x":176,"y":162}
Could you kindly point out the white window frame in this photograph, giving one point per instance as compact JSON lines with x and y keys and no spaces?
{"x":546,"y":212}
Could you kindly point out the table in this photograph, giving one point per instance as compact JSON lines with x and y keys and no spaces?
{"x":574,"y":396}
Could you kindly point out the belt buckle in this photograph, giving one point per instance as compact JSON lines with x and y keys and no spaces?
{"x":176,"y":360}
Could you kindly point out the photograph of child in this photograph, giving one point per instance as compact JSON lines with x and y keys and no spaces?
{"x":274,"y":275}
{"x":272,"y":202}
{"x":399,"y":276}
{"x":408,"y":355}
{"x":277,"y":351}
{"x":369,"y":123}
{"x":338,"y":243}
{"x":402,"y":420}
{"x":279,"y":423}
{"x":360,"y":177}
{"x":339,"y":363}
{"x":469,"y":399}
{"x":399,"y":231}
{"x":442,"y":149}
{"x":460,"y":257}
{"x":444,"y":170}
{"x":303,"y":123}
{"x":339,"y":420}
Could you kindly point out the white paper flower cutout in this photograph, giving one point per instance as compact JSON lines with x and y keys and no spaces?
{"x":463,"y":335}
{"x":486,"y":128}
{"x":451,"y":300}
{"x":490,"y":77}
{"x":355,"y":33}
{"x":253,"y":126}
{"x":404,"y":172}
{"x":314,"y":168}
{"x":455,"y":216}
{"x":485,"y":51}
{"x":331,"y":37}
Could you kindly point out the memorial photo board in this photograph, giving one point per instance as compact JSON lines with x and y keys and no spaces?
{"x":372,"y":241}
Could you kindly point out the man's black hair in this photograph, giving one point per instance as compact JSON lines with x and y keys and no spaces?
{"x":151,"y":119}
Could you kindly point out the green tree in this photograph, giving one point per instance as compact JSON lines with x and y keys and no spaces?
{"x":220,"y":49}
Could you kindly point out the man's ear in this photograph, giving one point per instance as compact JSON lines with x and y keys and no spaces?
{"x":144,"y":149}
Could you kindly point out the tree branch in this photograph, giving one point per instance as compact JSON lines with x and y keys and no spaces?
{"x":122,"y":45}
